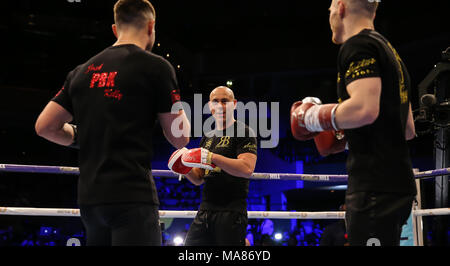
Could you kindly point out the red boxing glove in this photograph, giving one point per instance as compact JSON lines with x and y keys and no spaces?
{"x":298,"y":128}
{"x":330,"y":142}
{"x":199,"y":158}
{"x":309,"y":116}
{"x":175,"y":163}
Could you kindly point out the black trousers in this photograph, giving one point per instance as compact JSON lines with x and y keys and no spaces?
{"x":129,"y":224}
{"x":217,"y":228}
{"x":375,"y":219}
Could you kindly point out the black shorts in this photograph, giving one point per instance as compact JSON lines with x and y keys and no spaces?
{"x":129,"y":224}
{"x":217,"y":228}
{"x":375,"y":219}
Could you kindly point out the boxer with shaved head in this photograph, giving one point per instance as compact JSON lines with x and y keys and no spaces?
{"x":223,"y":163}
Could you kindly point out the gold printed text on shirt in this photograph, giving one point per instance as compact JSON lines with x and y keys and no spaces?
{"x":224,"y":142}
{"x":360,"y":68}
{"x":401,"y":79}
{"x":208,"y":144}
{"x":251,"y":147}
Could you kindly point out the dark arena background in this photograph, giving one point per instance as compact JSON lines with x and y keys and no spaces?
{"x":278,"y":51}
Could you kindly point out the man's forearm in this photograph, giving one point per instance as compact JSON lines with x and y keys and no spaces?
{"x":350,"y":115}
{"x":62,"y":136}
{"x":195,"y":176}
{"x":235,"y":167}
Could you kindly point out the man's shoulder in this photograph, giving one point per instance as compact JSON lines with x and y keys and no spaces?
{"x":78,"y":69}
{"x":249,"y":132}
{"x":361,"y":44}
{"x":363,"y":37}
{"x":153,"y":57}
{"x":362,"y":40}
{"x":149,"y":59}
{"x":137,"y":55}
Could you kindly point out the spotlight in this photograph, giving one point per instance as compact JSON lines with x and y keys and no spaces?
{"x":178,"y":240}
{"x":278,"y":236}
{"x":45,"y":231}
{"x":229,"y":83}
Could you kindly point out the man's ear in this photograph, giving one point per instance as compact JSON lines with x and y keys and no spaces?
{"x":151,"y":27}
{"x":114,"y":29}
{"x":341,"y":9}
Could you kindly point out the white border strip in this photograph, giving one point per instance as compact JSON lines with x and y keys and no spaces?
{"x":191,"y":214}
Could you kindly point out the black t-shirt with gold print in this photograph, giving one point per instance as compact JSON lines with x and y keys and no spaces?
{"x":222,"y":191}
{"x":378,"y":159}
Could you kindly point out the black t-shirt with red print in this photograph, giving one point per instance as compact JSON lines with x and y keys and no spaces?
{"x":114,"y":98}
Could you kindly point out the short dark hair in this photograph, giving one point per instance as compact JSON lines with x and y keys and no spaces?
{"x":368,"y":6}
{"x":133,"y":12}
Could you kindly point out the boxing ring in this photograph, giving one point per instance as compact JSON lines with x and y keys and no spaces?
{"x":417,"y":212}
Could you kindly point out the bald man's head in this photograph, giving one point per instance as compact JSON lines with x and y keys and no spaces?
{"x":222,"y":104}
{"x":221,"y":91}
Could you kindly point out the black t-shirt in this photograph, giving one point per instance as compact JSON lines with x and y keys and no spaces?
{"x":114,"y":99}
{"x":222,"y":191}
{"x":378,"y":159}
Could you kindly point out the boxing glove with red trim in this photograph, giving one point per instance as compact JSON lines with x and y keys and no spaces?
{"x":175,"y":163}
{"x":330,"y":142}
{"x":309,"y":116}
{"x":199,"y":158}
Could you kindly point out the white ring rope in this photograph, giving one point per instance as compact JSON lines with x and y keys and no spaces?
{"x":432,"y":212}
{"x":191,"y":214}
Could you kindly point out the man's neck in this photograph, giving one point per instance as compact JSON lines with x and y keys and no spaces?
{"x":355,"y":26}
{"x":130,"y":39}
{"x":228,"y":124}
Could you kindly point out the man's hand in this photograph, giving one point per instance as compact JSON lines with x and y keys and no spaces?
{"x":199,"y":158}
{"x":175,"y":164}
{"x":309,"y":116}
